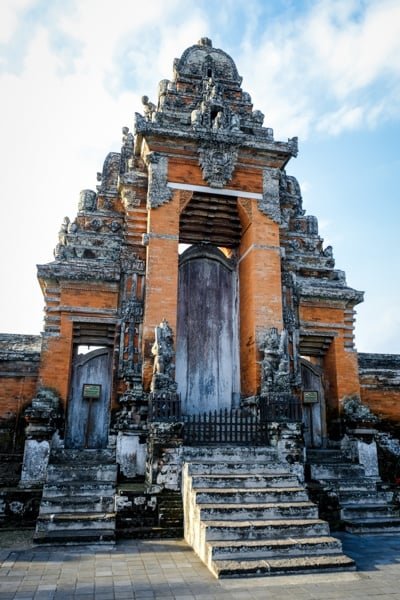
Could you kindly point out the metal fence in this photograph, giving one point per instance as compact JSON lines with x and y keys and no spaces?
{"x":164,"y":406}
{"x":225,"y":426}
{"x":280,"y":408}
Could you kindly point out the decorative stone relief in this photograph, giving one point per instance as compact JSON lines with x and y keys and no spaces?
{"x":270,"y":203}
{"x":87,"y":200}
{"x":275,"y":374}
{"x":42,"y":416}
{"x":163,"y":352}
{"x":217,"y":162}
{"x":129,"y":198}
{"x":109,"y":176}
{"x":158,"y":192}
{"x":131,"y":263}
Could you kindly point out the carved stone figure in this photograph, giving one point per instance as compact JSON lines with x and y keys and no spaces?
{"x":149,"y":108}
{"x":218,"y":122}
{"x":235,"y":122}
{"x":163,"y":352}
{"x":127,"y":149}
{"x":275,"y":364}
{"x":196,"y":118}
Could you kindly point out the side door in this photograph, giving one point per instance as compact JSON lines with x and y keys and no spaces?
{"x":89,"y":413}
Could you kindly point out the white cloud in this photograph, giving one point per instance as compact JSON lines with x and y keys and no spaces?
{"x":323,"y":63}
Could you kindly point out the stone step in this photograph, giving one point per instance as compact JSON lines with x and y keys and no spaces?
{"x":325,"y":456}
{"x":68,"y":537}
{"x":262,"y":529}
{"x":264,"y":511}
{"x":334,"y":471}
{"x":77,"y":504}
{"x":254,"y":495}
{"x":83,"y":456}
{"x":267,"y":548}
{"x":244,"y":481}
{"x":375,"y":525}
{"x":286,"y":566}
{"x":237,"y":453}
{"x":356,"y":484}
{"x":75,"y":522}
{"x":233,"y":467}
{"x":365,"y":497}
{"x":369,"y":511}
{"x":65,"y":474}
{"x":77,"y":488}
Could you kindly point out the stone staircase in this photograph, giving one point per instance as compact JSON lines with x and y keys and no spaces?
{"x":78,"y":498}
{"x":246,"y":514}
{"x":359,"y":503}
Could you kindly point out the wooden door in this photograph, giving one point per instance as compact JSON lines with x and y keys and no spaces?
{"x":313,"y":405}
{"x":207,"y":357}
{"x":88,"y":417}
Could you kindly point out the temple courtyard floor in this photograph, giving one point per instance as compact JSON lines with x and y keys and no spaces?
{"x":169,"y":569}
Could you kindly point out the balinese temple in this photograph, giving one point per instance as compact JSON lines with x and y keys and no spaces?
{"x":197,"y":373}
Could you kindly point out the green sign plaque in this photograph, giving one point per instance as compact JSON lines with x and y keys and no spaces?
{"x":310,"y":397}
{"x":91,"y":391}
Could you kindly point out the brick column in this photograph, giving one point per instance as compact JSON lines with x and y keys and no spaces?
{"x":260,"y":289}
{"x":161,"y":275}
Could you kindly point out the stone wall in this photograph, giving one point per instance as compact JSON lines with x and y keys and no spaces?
{"x":380,"y":384}
{"x":19,"y":364}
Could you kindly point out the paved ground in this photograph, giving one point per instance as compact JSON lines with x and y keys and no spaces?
{"x":169,"y":570}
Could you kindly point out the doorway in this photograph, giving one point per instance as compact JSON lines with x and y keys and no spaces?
{"x":314,"y":419}
{"x":89,"y":401}
{"x":207,"y":346}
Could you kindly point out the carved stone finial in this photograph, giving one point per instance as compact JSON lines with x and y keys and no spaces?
{"x":205,"y":41}
{"x":87,"y":200}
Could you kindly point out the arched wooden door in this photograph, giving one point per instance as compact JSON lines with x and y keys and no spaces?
{"x":207,"y":354}
{"x":89,"y":403}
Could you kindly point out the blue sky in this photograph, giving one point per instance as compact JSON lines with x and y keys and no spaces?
{"x":72,"y":74}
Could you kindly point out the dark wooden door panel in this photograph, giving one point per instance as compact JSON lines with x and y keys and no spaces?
{"x":88,"y":417}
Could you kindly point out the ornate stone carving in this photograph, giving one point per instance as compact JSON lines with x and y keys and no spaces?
{"x":109,"y":176}
{"x":87,"y":200}
{"x":217,"y":161}
{"x":149,"y":108}
{"x":129,"y":198}
{"x":275,"y":374}
{"x":43,"y":415}
{"x":127,"y":150}
{"x":163,"y":352}
{"x":270,"y":203}
{"x":131,"y":263}
{"x":158,"y":192}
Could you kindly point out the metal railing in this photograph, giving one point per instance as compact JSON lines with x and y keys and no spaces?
{"x":280,"y":408}
{"x":225,"y":426}
{"x":164,"y":406}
